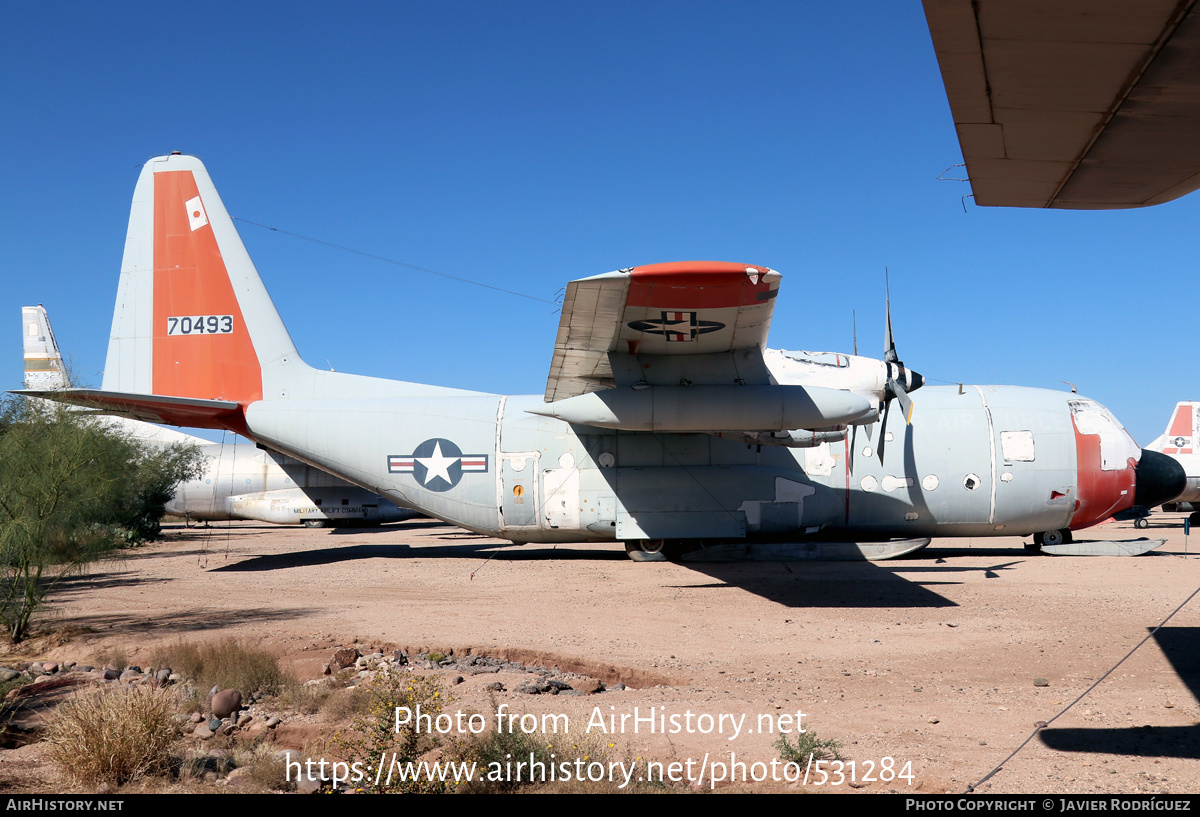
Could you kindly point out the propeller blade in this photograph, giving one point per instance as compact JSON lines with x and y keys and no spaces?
{"x":889,"y":344}
{"x":906,"y":402}
{"x":887,"y":407}
{"x":896,"y":373}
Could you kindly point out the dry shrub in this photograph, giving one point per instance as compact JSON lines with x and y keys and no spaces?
{"x":227,"y":664}
{"x":495,"y":753}
{"x":115,"y":736}
{"x":267,"y":767}
{"x":114,"y":655}
{"x":345,"y":704}
{"x":307,"y":699}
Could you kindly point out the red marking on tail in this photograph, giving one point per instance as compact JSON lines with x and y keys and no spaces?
{"x":1181,"y":423}
{"x":190,"y":279}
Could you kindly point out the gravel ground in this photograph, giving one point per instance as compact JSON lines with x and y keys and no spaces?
{"x":944,"y":662}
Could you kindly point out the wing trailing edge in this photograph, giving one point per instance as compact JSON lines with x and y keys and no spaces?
{"x":1073,"y":104}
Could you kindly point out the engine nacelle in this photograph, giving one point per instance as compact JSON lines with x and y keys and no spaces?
{"x":706,"y":408}
{"x":797,"y":438}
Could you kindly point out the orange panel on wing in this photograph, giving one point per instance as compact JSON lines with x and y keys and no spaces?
{"x":700,"y":285}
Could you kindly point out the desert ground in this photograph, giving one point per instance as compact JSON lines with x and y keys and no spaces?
{"x":945,"y":661}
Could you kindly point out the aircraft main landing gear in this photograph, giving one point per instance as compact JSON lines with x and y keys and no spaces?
{"x":646,"y":550}
{"x":1141,"y":523}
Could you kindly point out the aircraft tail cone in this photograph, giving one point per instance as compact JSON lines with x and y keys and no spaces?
{"x":1159,"y":479}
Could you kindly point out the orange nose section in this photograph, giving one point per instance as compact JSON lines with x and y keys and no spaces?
{"x":1101,"y":493}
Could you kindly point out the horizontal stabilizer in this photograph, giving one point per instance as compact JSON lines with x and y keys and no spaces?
{"x":1104,"y":547}
{"x":807,"y":551}
{"x":192,"y":412}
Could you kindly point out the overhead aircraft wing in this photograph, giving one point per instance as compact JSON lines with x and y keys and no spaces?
{"x":1075,"y":104}
{"x":683,"y":309}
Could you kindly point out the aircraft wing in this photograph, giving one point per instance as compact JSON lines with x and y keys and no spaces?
{"x":1076,"y":104}
{"x":679,"y":348}
{"x":680,"y":310}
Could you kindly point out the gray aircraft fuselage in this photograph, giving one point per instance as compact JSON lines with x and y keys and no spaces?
{"x":483,"y":462}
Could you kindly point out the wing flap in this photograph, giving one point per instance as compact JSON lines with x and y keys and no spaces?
{"x":587,"y":332}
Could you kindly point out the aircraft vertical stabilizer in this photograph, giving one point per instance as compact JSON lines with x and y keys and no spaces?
{"x":1180,"y":436}
{"x":193,"y":318}
{"x":43,"y":362}
{"x":1181,"y":443}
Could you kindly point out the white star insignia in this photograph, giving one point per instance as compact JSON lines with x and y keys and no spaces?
{"x":437,"y":465}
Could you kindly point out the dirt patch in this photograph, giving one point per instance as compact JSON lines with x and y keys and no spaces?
{"x":943,"y":662}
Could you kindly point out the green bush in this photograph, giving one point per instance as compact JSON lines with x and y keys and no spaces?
{"x":374,"y":734}
{"x":73,"y":491}
{"x":807,"y":744}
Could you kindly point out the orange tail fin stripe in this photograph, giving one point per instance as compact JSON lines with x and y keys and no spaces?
{"x":1181,"y":423}
{"x":191,"y":282}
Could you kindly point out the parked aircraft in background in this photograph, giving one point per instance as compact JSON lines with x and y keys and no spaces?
{"x":240,"y":481}
{"x":45,"y":370}
{"x":665,"y":420}
{"x":1181,"y":442}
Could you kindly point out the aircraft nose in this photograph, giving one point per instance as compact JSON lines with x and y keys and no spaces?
{"x":1159,"y":479}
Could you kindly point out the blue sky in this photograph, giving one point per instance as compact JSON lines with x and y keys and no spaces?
{"x":525,"y":144}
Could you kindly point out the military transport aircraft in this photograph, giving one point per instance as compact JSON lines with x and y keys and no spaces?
{"x":240,"y":481}
{"x":665,"y":419}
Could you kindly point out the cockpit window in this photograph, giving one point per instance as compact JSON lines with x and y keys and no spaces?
{"x":1116,"y":446}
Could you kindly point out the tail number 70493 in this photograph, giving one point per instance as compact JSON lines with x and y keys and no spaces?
{"x":200,"y":325}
